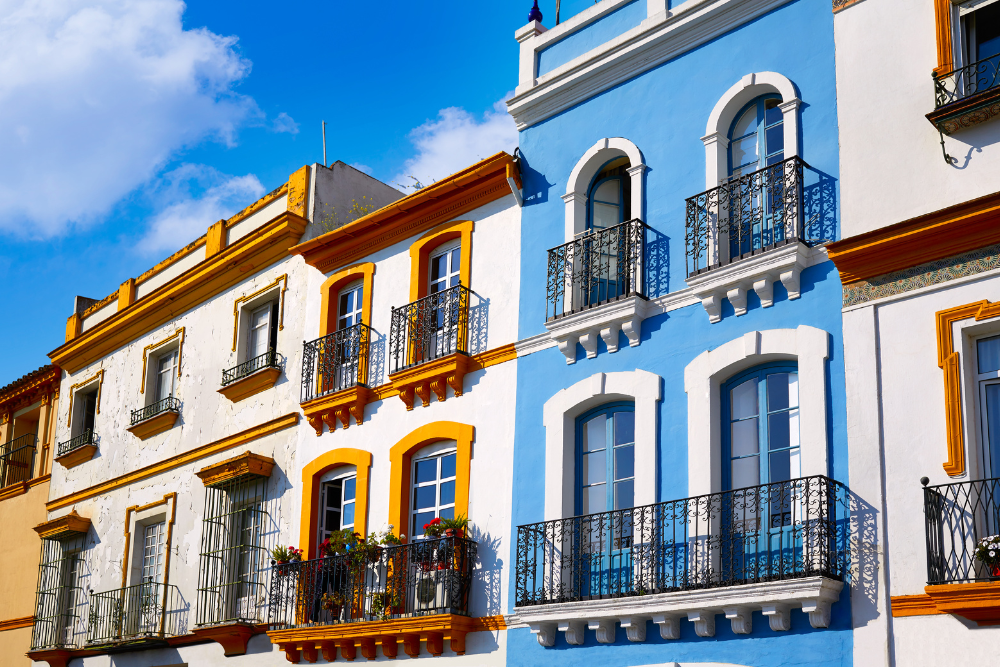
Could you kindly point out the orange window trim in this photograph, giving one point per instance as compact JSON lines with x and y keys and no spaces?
{"x":942,"y":28}
{"x":948,"y":361}
{"x":311,"y":474}
{"x":420,"y":254}
{"x":400,"y":458}
{"x":365,"y":271}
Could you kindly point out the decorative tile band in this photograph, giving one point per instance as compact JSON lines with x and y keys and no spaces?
{"x":923,"y":275}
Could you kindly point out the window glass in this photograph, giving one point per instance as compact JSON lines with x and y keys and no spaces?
{"x":988,"y":350}
{"x":606,"y":460}
{"x":259,"y":336}
{"x":154,"y":535}
{"x":433,"y":494}
{"x":349,"y":305}
{"x":445,"y":269}
{"x":757,"y":138}
{"x":165,"y":367}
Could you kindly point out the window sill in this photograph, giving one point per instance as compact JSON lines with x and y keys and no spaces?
{"x":154,"y":425}
{"x":775,"y":599}
{"x":233,"y":637}
{"x":341,"y":405}
{"x":251,"y":384}
{"x":75,"y":457}
{"x":604,"y":321}
{"x":978,"y":602}
{"x":433,"y":376}
{"x":967,"y":113}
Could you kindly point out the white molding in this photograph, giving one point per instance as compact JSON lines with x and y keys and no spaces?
{"x":703,"y":379}
{"x":605,"y":321}
{"x":532,"y":344}
{"x":758,"y":273}
{"x":559,"y":417}
{"x":661,"y":37}
{"x":586,"y":169}
{"x":775,"y":600}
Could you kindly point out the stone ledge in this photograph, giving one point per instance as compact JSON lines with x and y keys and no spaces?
{"x":774,"y":599}
{"x":432,"y":376}
{"x":147,"y":428}
{"x":604,"y":321}
{"x":341,"y":405}
{"x":75,"y":457}
{"x":251,"y":384}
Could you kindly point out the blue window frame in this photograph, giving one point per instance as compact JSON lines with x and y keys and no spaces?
{"x":757,"y":136}
{"x":608,"y":196}
{"x":605,"y":459}
{"x":760,"y":409}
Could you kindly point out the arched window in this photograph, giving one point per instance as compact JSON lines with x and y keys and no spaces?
{"x":756,"y":138}
{"x":760,"y":409}
{"x":610,"y":196}
{"x":605,"y":454}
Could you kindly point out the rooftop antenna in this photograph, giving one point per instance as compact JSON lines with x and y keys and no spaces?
{"x":324,"y":143}
{"x":557,"y":12}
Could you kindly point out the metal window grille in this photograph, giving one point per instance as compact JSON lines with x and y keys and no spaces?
{"x":168,"y":404}
{"x":267,"y":360}
{"x":771,"y":532}
{"x":85,"y":438}
{"x":967,"y":81}
{"x":429,"y":328}
{"x":59,"y":597}
{"x":232,"y":567}
{"x":17,"y":459}
{"x":745,"y":216}
{"x":957,"y":517}
{"x":601,"y":266}
{"x":335,"y":362}
{"x":424,"y":578}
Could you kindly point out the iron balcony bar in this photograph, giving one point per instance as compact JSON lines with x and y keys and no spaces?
{"x":149,"y":610}
{"x":85,"y":438}
{"x":17,"y":459}
{"x":957,"y":517}
{"x":595,"y":268}
{"x":335,"y":362}
{"x":745,"y":216}
{"x":427,"y":577}
{"x":785,"y":530}
{"x":267,"y":360}
{"x":967,"y":81}
{"x":168,"y":404}
{"x":429,"y":328}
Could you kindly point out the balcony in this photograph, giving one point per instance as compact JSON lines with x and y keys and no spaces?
{"x":771,"y":548}
{"x":749,"y":232}
{"x":17,"y":459}
{"x":145,"y":613}
{"x":77,"y":450}
{"x":155,"y":418}
{"x":966,"y":96}
{"x":596,"y":287}
{"x":409,"y":593}
{"x":428,"y":345}
{"x":335,"y":378}
{"x":957,"y":517}
{"x":251,"y":377}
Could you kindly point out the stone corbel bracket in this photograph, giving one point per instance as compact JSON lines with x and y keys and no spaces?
{"x":759,"y":274}
{"x":774,"y":600}
{"x":602,"y":322}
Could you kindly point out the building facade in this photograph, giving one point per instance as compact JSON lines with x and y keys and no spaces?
{"x":682,"y":481}
{"x":921,"y":222}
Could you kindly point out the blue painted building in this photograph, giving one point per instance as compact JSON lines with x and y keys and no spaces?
{"x":681,"y":481}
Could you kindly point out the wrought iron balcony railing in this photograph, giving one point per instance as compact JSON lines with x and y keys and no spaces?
{"x":150,"y":610}
{"x":745,"y":216}
{"x":430,"y":328}
{"x":267,"y":360}
{"x":17,"y":459}
{"x":335,"y":362}
{"x":424,"y":578}
{"x":785,"y":530}
{"x":85,"y":438}
{"x":967,"y":82}
{"x":957,"y":517}
{"x":595,"y":268}
{"x":168,"y":404}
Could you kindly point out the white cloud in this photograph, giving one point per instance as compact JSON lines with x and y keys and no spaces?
{"x":362,"y":167}
{"x":96,"y":97}
{"x":189,"y":199}
{"x":285,"y":123}
{"x":456,"y":140}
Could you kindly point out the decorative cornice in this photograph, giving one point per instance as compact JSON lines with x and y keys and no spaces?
{"x":30,"y":383}
{"x":945,"y":233}
{"x":15,"y":623}
{"x":245,"y":464}
{"x":970,"y":112}
{"x":913,"y":605}
{"x":64,"y":526}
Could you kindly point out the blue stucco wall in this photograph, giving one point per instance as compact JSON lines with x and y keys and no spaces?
{"x":664,"y":112}
{"x":591,"y":36}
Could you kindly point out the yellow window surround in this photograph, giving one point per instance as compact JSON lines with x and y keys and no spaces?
{"x":170,"y":498}
{"x":365,"y":272}
{"x":421,"y":249}
{"x":152,"y":346}
{"x":249,"y":297}
{"x":99,"y":376}
{"x":311,"y":474}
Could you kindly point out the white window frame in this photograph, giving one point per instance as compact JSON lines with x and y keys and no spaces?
{"x":245,"y":321}
{"x":582,"y":177}
{"x":444,"y":249}
{"x":158,"y":371}
{"x":355,"y":314}
{"x":341,"y":473}
{"x":79,"y":405}
{"x":437,"y":451}
{"x":254,"y":333}
{"x":155,"y":558}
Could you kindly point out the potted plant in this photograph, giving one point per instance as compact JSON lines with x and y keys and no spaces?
{"x":456,"y":527}
{"x":283,"y":556}
{"x":988,"y":553}
{"x":333,"y":603}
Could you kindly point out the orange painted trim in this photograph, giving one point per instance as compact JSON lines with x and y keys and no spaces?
{"x":942,"y":31}
{"x":913,"y":605}
{"x":171,"y":499}
{"x":126,"y":294}
{"x":147,"y":428}
{"x":341,"y":406}
{"x":298,"y":192}
{"x":229,"y":442}
{"x":478,"y":362}
{"x":433,"y":377}
{"x":71,"y":524}
{"x":311,"y":474}
{"x":421,"y":249}
{"x":476,"y":186}
{"x":179,"y":334}
{"x":978,"y":601}
{"x":15,"y":623}
{"x":251,"y":385}
{"x":46,"y":375}
{"x":365,"y":272}
{"x":276,"y":286}
{"x":241,"y":465}
{"x":949,"y":362}
{"x":400,"y":458}
{"x":215,"y":239}
{"x":945,"y":233}
{"x":77,"y":457}
{"x":99,"y":377}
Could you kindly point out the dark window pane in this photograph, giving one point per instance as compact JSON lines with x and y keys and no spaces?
{"x":624,"y":495}
{"x":438,"y":266}
{"x":624,"y":462}
{"x":448,"y":466}
{"x":424,"y":496}
{"x":772,"y":113}
{"x":780,"y":466}
{"x":595,"y":434}
{"x":426,"y":471}
{"x":624,"y":428}
{"x":349,"y":485}
{"x":775,"y":139}
{"x":778,"y":433}
{"x":447,"y":493}
{"x":448,"y":513}
{"x":989,"y":354}
{"x":744,"y":399}
{"x":419,"y":520}
{"x":777,"y":391}
{"x":349,"y":514}
{"x":456,"y":259}
{"x":744,"y":435}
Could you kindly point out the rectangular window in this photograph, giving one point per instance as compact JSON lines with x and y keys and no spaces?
{"x":262,"y":330}
{"x":60,"y":621}
{"x":988,"y":378}
{"x":166,"y":373}
{"x":337,"y":500}
{"x":84,"y":410}
{"x":980,"y":30}
{"x":154,"y":537}
{"x":433,"y":490}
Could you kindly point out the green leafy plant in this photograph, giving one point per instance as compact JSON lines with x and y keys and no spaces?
{"x":287,"y":554}
{"x":456,"y":527}
{"x":332,"y":601}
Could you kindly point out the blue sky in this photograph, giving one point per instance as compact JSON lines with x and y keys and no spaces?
{"x":129,"y":126}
